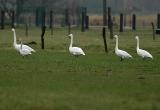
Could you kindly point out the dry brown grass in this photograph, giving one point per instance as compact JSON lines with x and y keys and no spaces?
{"x":142,"y":20}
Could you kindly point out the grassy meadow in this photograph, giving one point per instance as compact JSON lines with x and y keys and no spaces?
{"x":52,"y":79}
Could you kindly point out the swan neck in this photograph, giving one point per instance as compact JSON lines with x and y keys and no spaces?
{"x":116,"y":48}
{"x":137,"y":43}
{"x":71,"y":43}
{"x":14,"y":35}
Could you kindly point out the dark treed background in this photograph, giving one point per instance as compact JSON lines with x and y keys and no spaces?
{"x":25,"y":9}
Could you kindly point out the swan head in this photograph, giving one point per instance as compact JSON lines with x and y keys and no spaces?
{"x":13,"y":29}
{"x":137,"y":37}
{"x":70,"y":35}
{"x":116,"y":36}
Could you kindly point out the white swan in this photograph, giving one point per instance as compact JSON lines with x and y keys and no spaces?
{"x":18,"y":46}
{"x":142,"y":53}
{"x":120,"y":53}
{"x":24,"y":51}
{"x":75,"y":50}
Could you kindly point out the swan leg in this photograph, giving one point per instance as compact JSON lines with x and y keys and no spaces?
{"x":121,"y":59}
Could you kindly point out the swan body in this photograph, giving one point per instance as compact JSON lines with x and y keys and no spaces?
{"x":18,"y":46}
{"x":121,"y":53}
{"x":142,"y":53}
{"x":23,"y":51}
{"x":75,"y":50}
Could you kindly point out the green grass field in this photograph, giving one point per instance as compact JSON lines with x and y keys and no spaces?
{"x":52,"y":79}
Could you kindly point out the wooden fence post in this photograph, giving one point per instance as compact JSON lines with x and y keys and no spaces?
{"x":13,"y":19}
{"x":66,"y":17}
{"x":51,"y":22}
{"x":69,"y":28}
{"x":153,"y":29}
{"x":2,"y":19}
{"x":42,"y":37}
{"x":87,"y":22}
{"x":158,"y":21}
{"x":104,"y":39}
{"x":109,"y":18}
{"x":104,"y":13}
{"x":43,"y":27}
{"x":43,"y":17}
{"x":111,"y":30}
{"x":134,"y":22}
{"x":83,"y":20}
{"x":121,"y":23}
